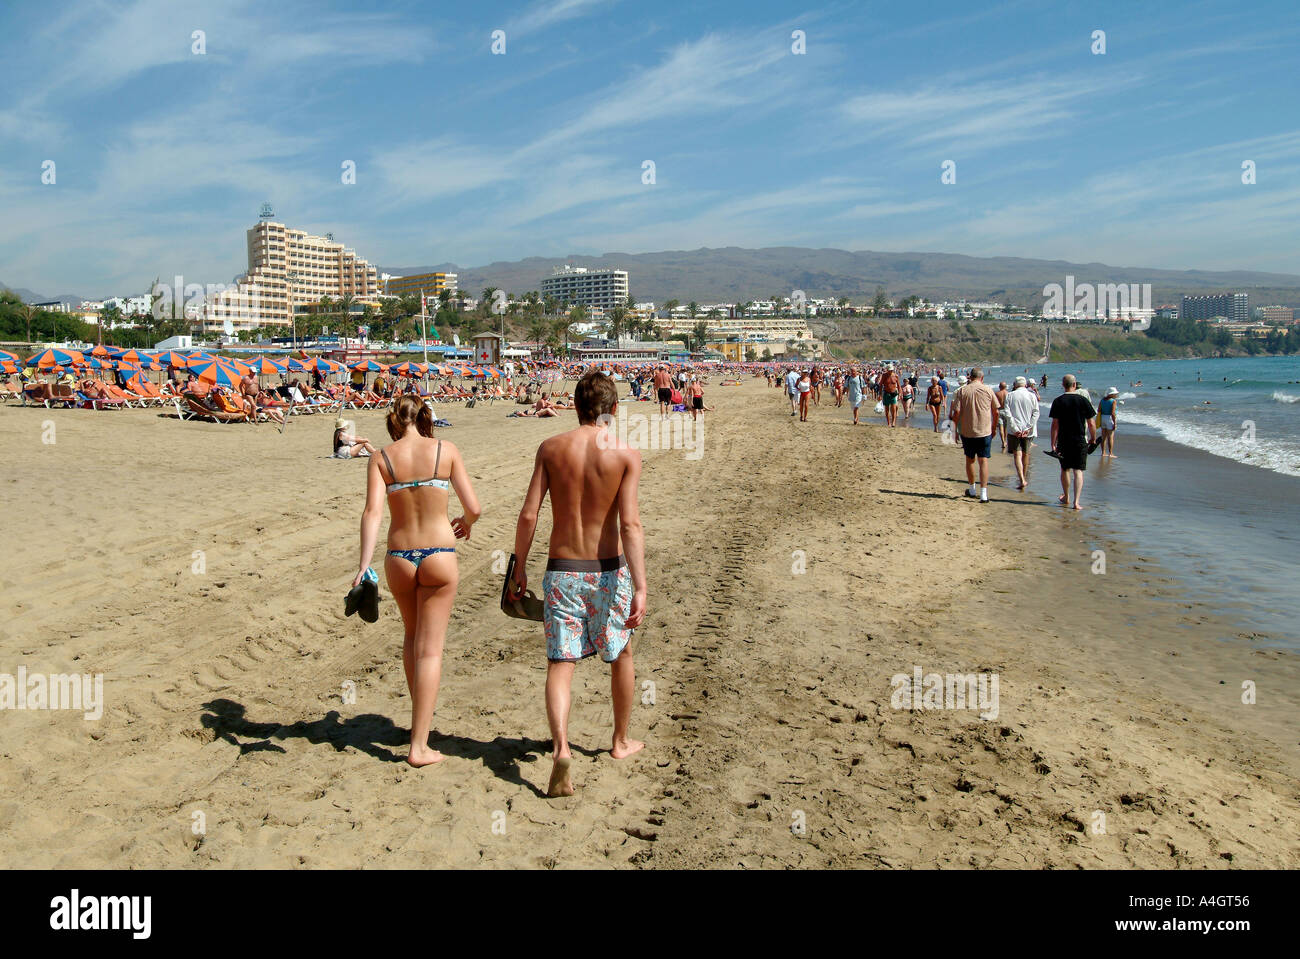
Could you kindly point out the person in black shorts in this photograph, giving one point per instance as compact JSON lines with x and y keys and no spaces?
{"x":1073,"y":430}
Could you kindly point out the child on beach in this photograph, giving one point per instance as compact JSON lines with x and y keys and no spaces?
{"x":595,"y":583}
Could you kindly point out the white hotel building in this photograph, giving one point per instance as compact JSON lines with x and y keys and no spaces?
{"x":596,"y":288}
{"x":287,"y":268}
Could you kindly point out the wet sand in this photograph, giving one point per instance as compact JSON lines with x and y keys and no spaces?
{"x":794,"y":569}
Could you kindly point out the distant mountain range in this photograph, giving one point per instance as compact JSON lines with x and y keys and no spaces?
{"x":29,"y":297}
{"x":734,"y":274}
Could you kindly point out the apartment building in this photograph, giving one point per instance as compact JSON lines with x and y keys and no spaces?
{"x":287,"y":268}
{"x":596,"y":289}
{"x":430,"y":284}
{"x":1277,"y":314}
{"x":1234,"y":307}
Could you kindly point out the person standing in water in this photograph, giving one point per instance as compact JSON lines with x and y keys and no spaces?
{"x":595,"y":585}
{"x":413,"y":474}
{"x":1108,"y":410}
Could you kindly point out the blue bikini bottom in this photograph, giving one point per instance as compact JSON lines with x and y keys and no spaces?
{"x":416,"y":556}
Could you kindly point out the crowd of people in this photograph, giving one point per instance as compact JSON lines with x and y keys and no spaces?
{"x":972,"y":412}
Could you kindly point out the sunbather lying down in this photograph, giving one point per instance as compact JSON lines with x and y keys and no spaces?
{"x":543,"y":408}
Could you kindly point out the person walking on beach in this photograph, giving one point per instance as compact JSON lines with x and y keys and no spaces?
{"x":664,"y":389}
{"x":595,"y":585}
{"x":855,"y":386}
{"x":413,"y":473}
{"x":805,"y":387}
{"x":934,"y":400}
{"x":792,"y":388}
{"x":889,"y":394}
{"x":1072,"y":415}
{"x":1108,"y":410}
{"x":1000,"y":425}
{"x":974,"y":409}
{"x":1022,"y":427}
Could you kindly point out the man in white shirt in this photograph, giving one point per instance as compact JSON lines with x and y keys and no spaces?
{"x":792,"y":389}
{"x":1022,"y":427}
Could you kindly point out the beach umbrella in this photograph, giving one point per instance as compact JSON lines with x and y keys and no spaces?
{"x":172,"y":358}
{"x":134,"y":357}
{"x":324,"y":366}
{"x":263,"y":366}
{"x":101,"y":350}
{"x":295,"y":365}
{"x":47,"y":359}
{"x":216,"y":370}
{"x":6,"y":355}
{"x":368,"y":366}
{"x":237,"y":363}
{"x":407,"y":369}
{"x":8,"y":365}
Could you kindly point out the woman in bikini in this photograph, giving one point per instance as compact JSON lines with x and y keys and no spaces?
{"x":421,"y":563}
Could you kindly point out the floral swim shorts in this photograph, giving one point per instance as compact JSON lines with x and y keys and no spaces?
{"x":587,"y":606}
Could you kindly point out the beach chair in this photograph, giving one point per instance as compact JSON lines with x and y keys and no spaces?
{"x":9,"y":391}
{"x":129,"y":400}
{"x":99,"y":402}
{"x":147,"y":394}
{"x":199,"y":408}
{"x":66,"y":396}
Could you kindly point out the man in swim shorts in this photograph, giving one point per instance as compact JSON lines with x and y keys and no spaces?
{"x":889,"y":394}
{"x":664,"y":388}
{"x":975,"y":409}
{"x":595,"y":585}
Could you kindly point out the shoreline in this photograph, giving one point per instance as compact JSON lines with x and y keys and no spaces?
{"x":772,"y":687}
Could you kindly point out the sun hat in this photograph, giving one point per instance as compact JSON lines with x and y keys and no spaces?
{"x":961,"y":379}
{"x":340,"y":423}
{"x":1021,"y":381}
{"x":1112,"y":392}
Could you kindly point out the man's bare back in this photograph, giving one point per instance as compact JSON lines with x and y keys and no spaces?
{"x":584,"y":482}
{"x":595,"y":585}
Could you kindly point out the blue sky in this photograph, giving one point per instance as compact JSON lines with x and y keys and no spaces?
{"x":163,"y":157}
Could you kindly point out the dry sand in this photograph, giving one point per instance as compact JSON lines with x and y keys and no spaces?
{"x":771,"y":690}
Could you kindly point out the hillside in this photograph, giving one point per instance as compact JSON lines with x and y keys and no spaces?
{"x":994,"y":342}
{"x":736,"y":274}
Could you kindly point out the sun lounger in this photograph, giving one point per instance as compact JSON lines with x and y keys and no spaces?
{"x":99,"y":402}
{"x":201,"y":408}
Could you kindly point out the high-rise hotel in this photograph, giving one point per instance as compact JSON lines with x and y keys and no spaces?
{"x":1231,"y":306}
{"x":596,"y":289}
{"x":288,"y":268}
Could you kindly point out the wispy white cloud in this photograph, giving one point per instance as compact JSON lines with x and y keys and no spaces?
{"x":547,"y":12}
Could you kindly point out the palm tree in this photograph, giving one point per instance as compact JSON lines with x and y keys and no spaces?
{"x":694,"y":308}
{"x":617,"y":321}
{"x":671,"y":305}
{"x":701,"y":334}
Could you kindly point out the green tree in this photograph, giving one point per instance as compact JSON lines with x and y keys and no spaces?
{"x":879,"y":302}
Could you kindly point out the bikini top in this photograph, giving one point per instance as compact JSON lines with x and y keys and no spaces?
{"x":411,"y":484}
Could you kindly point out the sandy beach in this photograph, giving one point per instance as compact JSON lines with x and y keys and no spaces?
{"x":793,"y":570}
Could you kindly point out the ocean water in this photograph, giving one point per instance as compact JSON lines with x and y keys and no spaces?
{"x":1246,"y":410}
{"x":1206,"y":480}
